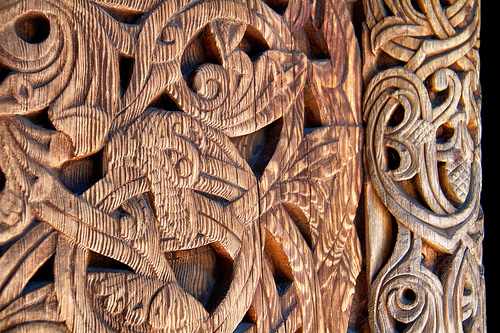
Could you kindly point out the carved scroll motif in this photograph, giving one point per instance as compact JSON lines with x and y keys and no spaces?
{"x":422,"y":110}
{"x":188,"y":166}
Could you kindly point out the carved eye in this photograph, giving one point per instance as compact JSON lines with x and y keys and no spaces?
{"x":171,"y":34}
{"x":32,"y":27}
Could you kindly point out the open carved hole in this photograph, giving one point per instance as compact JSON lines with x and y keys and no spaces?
{"x":98,"y":262}
{"x":4,"y":72}
{"x":126,"y":66}
{"x":32,"y":27}
{"x":45,"y":273}
{"x":124,"y":15}
{"x":400,"y":327}
{"x":393,"y":159}
{"x":201,"y":50}
{"x":80,"y":174}
{"x":165,"y":101}
{"x":396,"y":117}
{"x":318,"y":49}
{"x":408,"y":296}
{"x":312,"y":114}
{"x":2,"y":180}
{"x":300,"y":220}
{"x":279,"y":6}
{"x":41,"y":119}
{"x":358,"y":17}
{"x":278,"y":263}
{"x":258,"y":148}
{"x":220,"y":265}
{"x":444,"y":133}
{"x":253,"y":43}
{"x":417,"y":6}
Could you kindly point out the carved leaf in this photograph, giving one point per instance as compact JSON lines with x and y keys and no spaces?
{"x":296,"y":14}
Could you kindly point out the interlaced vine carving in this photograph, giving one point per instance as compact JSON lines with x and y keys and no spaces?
{"x":422,"y":110}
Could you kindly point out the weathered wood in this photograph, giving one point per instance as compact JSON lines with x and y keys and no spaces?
{"x":423,"y":131}
{"x":197,"y":166}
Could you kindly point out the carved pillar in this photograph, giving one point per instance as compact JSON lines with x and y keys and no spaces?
{"x":240,"y":166}
{"x":423,"y":130}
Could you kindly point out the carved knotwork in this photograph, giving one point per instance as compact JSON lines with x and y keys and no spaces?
{"x":422,"y":108}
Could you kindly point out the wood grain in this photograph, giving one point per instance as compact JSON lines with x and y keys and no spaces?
{"x":240,"y":166}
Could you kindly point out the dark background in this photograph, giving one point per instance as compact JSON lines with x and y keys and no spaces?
{"x":490,"y":82}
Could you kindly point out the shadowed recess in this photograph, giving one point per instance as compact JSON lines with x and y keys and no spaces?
{"x":44,"y":273}
{"x":41,"y":119}
{"x":80,"y":174}
{"x":201,"y":50}
{"x":220,"y":200}
{"x":396,"y":117}
{"x":252,"y":42}
{"x":126,"y":65}
{"x":393,"y":159}
{"x":223,"y":272}
{"x":318,"y":49}
{"x":279,"y":6}
{"x":279,"y":264}
{"x":195,"y":271}
{"x":2,"y":180}
{"x":4,"y":72}
{"x":312,"y":114}
{"x":300,"y":220}
{"x":165,"y":101}
{"x":32,"y":27}
{"x":444,"y":133}
{"x":124,"y":15}
{"x":98,"y":262}
{"x":258,"y":148}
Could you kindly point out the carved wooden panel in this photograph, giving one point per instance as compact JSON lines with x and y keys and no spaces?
{"x":208,"y":165}
{"x":423,"y":130}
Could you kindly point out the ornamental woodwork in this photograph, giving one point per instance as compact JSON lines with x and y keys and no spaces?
{"x":240,"y":166}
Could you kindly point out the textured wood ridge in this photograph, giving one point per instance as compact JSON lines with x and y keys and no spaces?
{"x":207,"y":165}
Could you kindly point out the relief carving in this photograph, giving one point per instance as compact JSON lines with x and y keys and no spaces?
{"x":207,"y":166}
{"x":187,"y":166}
{"x":422,"y":109}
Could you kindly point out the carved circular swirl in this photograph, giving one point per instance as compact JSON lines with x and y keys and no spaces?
{"x":399,"y":90}
{"x":36,"y":44}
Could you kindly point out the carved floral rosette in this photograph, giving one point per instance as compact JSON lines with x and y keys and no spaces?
{"x":423,"y":130}
{"x":190,"y":166}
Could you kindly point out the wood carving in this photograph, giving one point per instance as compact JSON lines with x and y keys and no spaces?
{"x":423,"y":130}
{"x":197,"y":166}
{"x":188,"y":166}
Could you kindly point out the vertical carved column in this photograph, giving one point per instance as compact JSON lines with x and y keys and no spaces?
{"x":423,"y":129}
{"x":187,"y":166}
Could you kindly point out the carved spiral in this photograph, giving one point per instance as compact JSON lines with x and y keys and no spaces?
{"x":36,"y":45}
{"x":209,"y":88}
{"x":406,"y":292}
{"x":410,"y":299}
{"x":398,"y":89}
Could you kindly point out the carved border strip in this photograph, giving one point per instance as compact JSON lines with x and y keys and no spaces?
{"x":423,"y":130}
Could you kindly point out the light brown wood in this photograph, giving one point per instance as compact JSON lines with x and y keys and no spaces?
{"x":422,"y":110}
{"x":240,"y":166}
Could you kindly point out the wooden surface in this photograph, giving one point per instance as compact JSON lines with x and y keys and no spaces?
{"x":422,"y":106}
{"x":240,"y":166}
